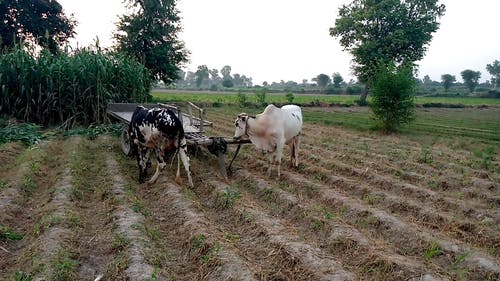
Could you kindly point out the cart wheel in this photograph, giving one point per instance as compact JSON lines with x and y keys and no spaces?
{"x":126,"y":147}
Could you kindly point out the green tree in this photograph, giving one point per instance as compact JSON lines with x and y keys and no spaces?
{"x":35,"y":22}
{"x":447,"y":80}
{"x":337,"y":80}
{"x":226,"y":72}
{"x":471,"y":78}
{"x":201,"y":74}
{"x":494,"y":70}
{"x":150,"y":34}
{"x":322,"y":80}
{"x":380,"y":32}
{"x":393,"y":96}
{"x":228,"y":83}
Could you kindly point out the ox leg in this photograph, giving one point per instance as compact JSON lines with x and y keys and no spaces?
{"x":271,"y":161}
{"x":185,"y":161}
{"x":295,"y":151}
{"x":142,"y":160}
{"x":275,"y":159}
{"x":159,"y":166}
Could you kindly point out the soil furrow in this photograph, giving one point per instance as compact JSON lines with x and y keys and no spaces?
{"x":472,"y":210}
{"x":333,"y":234}
{"x":37,"y":211}
{"x":128,"y":228}
{"x":399,"y":232}
{"x":432,"y":216}
{"x":282,"y":236}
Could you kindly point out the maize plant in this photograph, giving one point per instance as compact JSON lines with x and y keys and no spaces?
{"x":68,"y":88}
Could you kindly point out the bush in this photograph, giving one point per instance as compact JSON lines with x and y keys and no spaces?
{"x":260,"y":94}
{"x":393,"y":96}
{"x":492,"y":94}
{"x":26,"y":133}
{"x":290,"y":97}
{"x":354,"y":90}
{"x":242,"y":99}
{"x":331,"y":90}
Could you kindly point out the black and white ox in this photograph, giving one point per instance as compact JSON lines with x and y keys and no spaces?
{"x":158,"y":130}
{"x":270,"y":130}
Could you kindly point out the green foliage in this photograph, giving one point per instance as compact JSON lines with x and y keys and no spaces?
{"x":381,"y":32}
{"x":487,"y":157}
{"x":332,"y":90}
{"x":211,"y":254}
{"x":93,"y":131}
{"x":433,"y":251}
{"x":393,"y":97}
{"x":290,"y":97}
{"x":37,"y":22}
{"x":64,"y":267}
{"x":260,"y":95}
{"x":68,"y":88}
{"x":201,"y":74}
{"x":120,"y":242}
{"x":226,"y":198}
{"x":354,"y":90}
{"x":198,"y":241}
{"x":227,"y":83}
{"x":471,"y":78}
{"x":22,"y":276}
{"x":447,"y":80}
{"x":494,"y":70}
{"x":242,"y":99}
{"x":337,"y":80}
{"x":150,"y":34}
{"x":6,"y":233}
{"x":27,"y":133}
{"x":322,"y":80}
{"x":425,"y":156}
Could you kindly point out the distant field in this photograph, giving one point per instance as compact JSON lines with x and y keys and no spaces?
{"x":232,"y":98}
{"x":478,"y":124}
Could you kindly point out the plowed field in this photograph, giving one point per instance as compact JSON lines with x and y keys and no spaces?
{"x":361,"y":206}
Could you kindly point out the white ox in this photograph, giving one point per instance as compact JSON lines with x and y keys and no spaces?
{"x":270,"y":130}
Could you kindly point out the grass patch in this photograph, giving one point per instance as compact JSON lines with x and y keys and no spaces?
{"x":89,"y":170}
{"x":211,"y":254}
{"x":139,"y":207}
{"x":198,"y":241}
{"x":22,"y":276}
{"x":120,"y":243}
{"x":27,"y":133}
{"x":226,"y":198}
{"x":3,"y":185}
{"x":64,"y":267}
{"x":7,"y":233}
{"x":432,"y":251}
{"x":45,"y":223}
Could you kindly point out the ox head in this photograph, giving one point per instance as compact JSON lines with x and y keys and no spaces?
{"x":241,"y":125}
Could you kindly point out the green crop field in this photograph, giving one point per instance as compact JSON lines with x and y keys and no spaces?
{"x":302,"y":99}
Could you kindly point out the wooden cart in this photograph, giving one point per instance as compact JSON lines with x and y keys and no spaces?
{"x":194,"y":124}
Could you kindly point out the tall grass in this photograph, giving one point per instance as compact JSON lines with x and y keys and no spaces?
{"x":68,"y":88}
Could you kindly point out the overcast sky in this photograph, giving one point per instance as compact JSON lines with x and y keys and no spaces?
{"x":274,"y":40}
